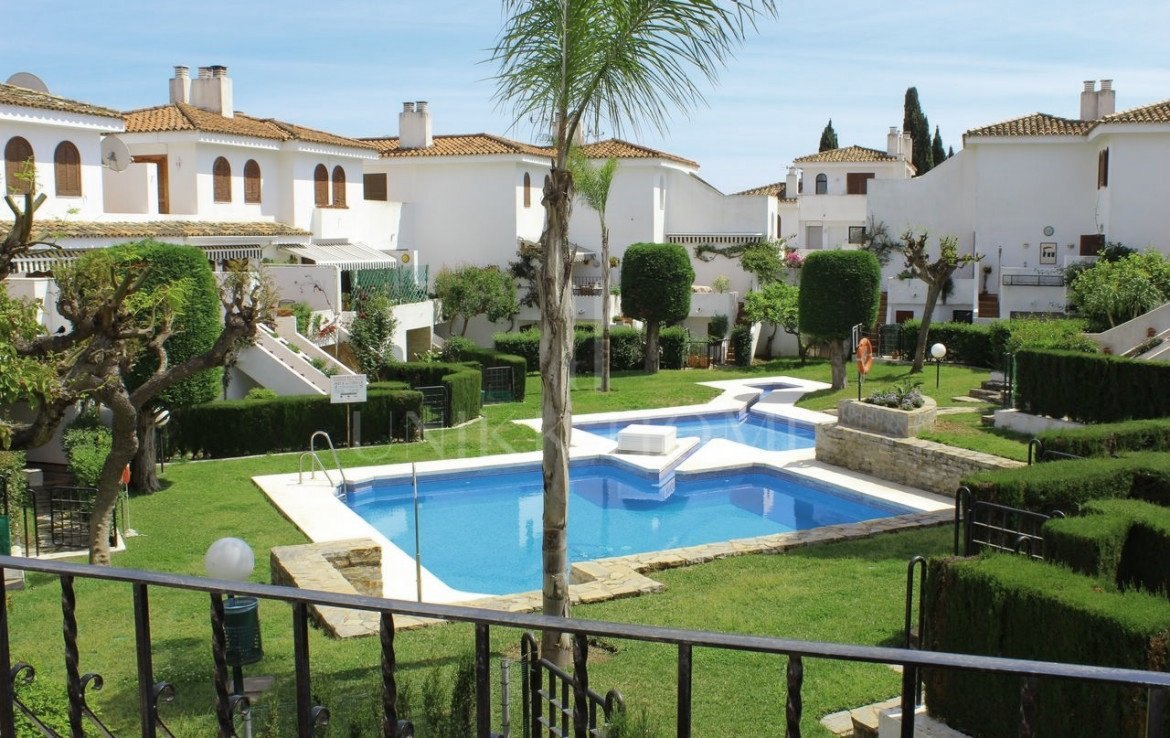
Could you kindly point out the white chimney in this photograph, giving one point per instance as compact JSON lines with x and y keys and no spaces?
{"x":1106,"y":99}
{"x":1089,"y":101}
{"x":212,"y":91}
{"x":791,"y":183}
{"x":181,"y":86}
{"x":414,"y":126}
{"x":893,"y":139}
{"x":907,"y":147}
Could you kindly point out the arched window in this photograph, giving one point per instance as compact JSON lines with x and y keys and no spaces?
{"x":251,"y":181}
{"x":321,"y":186}
{"x":18,"y":162}
{"x":338,"y":187}
{"x":822,"y":184}
{"x":527,"y":190}
{"x":67,"y":170}
{"x":221,"y":180}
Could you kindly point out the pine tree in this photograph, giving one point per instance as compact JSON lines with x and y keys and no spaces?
{"x":828,"y":138}
{"x":915,"y":123}
{"x":937,"y":152}
{"x":950,"y":151}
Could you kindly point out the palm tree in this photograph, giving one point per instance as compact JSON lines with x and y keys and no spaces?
{"x":593,"y":183}
{"x":567,"y":63}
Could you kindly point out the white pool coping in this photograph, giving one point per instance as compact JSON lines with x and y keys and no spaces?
{"x":313,"y":507}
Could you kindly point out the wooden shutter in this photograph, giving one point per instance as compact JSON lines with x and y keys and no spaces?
{"x":18,"y":155}
{"x":1092,"y":243}
{"x":251,"y":181}
{"x":857,"y":183}
{"x":527,"y":190}
{"x":321,"y":186}
{"x":374,"y":187}
{"x":221,"y":180}
{"x":338,"y":187}
{"x":67,"y":170}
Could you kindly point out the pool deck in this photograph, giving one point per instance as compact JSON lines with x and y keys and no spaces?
{"x":313,"y":507}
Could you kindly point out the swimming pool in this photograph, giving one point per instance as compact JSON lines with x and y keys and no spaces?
{"x":481,"y":530}
{"x":749,"y":428}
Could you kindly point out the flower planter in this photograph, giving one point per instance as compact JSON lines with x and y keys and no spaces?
{"x":888,"y":421}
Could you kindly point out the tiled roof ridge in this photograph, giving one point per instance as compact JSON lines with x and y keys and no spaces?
{"x":840,"y":153}
{"x":765,"y":189}
{"x":1076,"y":126}
{"x":29,"y":98}
{"x":1129,"y":114}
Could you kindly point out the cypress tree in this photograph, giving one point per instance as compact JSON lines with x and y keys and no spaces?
{"x":915,"y":123}
{"x":828,"y":138}
{"x":950,"y":151}
{"x":937,"y":152}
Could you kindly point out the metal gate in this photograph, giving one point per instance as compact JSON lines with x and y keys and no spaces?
{"x":61,"y":518}
{"x":981,"y":525}
{"x":497,"y":385}
{"x":434,"y":406}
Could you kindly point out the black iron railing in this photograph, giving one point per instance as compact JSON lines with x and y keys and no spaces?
{"x":982,"y":525}
{"x":310,"y":715}
{"x":1037,"y":453}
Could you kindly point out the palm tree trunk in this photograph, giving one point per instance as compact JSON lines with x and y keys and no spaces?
{"x":556,"y":353}
{"x":606,"y":313}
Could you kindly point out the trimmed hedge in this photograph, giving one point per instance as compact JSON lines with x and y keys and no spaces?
{"x":672,"y":344}
{"x":1126,"y":542}
{"x":838,"y":290}
{"x":524,"y":343}
{"x":1108,"y":438}
{"x":984,"y":345}
{"x":741,"y":344}
{"x":245,"y":427}
{"x":1068,"y":485}
{"x":626,"y":348}
{"x":1093,"y":388}
{"x":966,"y":343}
{"x":1011,"y":606}
{"x":490,"y":359}
{"x":463,"y":381}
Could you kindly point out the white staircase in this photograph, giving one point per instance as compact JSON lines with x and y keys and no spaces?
{"x":1125,"y":339}
{"x":288,"y":363}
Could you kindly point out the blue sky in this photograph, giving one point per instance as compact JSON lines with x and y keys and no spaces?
{"x":346,"y":66}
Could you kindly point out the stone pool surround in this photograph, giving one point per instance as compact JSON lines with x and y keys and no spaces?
{"x":316,"y":511}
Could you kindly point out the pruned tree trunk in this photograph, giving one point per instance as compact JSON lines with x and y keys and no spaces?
{"x":556,"y":354}
{"x":143,"y":474}
{"x":837,"y":362}
{"x":651,"y":364}
{"x":932,"y":291}
{"x":122,"y":450}
{"x":771,"y":338}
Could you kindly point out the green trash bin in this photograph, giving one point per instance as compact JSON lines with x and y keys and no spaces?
{"x":241,"y":625}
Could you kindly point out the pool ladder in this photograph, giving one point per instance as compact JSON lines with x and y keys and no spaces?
{"x":315,"y":460}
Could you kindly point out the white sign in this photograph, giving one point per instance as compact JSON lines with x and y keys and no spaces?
{"x":346,"y":388}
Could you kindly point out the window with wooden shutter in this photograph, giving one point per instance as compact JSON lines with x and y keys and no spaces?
{"x":1102,"y":168}
{"x":338,"y":187}
{"x":67,"y":170}
{"x":857,"y":183}
{"x":374,"y":187}
{"x":221,"y":180}
{"x":1092,"y":243}
{"x":18,"y":166}
{"x":251,"y":181}
{"x":527,"y":190}
{"x":321,"y":186}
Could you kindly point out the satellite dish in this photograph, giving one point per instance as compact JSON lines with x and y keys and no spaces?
{"x":405,"y":258}
{"x":28,"y":81}
{"x":115,"y":155}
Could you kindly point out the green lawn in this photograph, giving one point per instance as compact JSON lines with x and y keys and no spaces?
{"x":850,"y":592}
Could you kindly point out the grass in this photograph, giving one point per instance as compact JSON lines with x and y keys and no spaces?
{"x":849,"y":592}
{"x":966,"y":431}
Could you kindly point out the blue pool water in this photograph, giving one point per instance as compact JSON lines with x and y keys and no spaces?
{"x":751,"y":429}
{"x":481,"y":530}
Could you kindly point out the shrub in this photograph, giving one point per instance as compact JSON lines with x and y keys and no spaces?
{"x":523,"y":343}
{"x":838,"y":290}
{"x":1093,"y":388}
{"x":741,"y":344}
{"x":490,"y":359}
{"x":625,"y":348}
{"x":1038,"y":333}
{"x":673,"y":344}
{"x":87,"y":443}
{"x":261,"y":393}
{"x":966,"y":343}
{"x":12,"y":480}
{"x":905,"y":396}
{"x":304,"y":314}
{"x":1108,"y":438}
{"x":463,"y":384}
{"x":717,"y":327}
{"x":456,"y":346}
{"x":1126,"y":542}
{"x":218,"y":429}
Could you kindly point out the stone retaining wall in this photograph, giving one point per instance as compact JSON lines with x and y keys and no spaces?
{"x":890,"y":421}
{"x":351,"y":566}
{"x":914,"y":462}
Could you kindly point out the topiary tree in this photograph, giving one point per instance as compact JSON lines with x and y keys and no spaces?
{"x":656,"y":288}
{"x":838,"y":290}
{"x":196,"y":326}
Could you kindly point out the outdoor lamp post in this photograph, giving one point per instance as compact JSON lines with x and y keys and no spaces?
{"x":938,"y":351}
{"x":232,"y":558}
{"x":161,"y":418}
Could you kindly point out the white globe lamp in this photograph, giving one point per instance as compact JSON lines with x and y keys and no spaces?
{"x":938,"y":351}
{"x":229,"y":558}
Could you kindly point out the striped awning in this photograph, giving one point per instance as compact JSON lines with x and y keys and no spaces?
{"x":347,"y":256}
{"x":220,"y":253}
{"x":45,"y":260}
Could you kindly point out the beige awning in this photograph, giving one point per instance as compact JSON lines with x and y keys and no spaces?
{"x":347,"y":256}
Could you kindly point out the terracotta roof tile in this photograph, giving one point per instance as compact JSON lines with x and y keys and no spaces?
{"x":847,"y":154}
{"x":1036,"y":124}
{"x":25,"y":98}
{"x":182,"y":117}
{"x":1157,"y":113}
{"x":619,"y":149}
{"x":485,"y":144}
{"x":159,"y":229}
{"x":776,"y":189}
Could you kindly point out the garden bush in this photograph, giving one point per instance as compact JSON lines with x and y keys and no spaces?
{"x":87,"y":443}
{"x":966,"y":343}
{"x":1067,"y":485}
{"x":1040,"y":333}
{"x":12,"y":472}
{"x":488,"y":358}
{"x":1107,"y":438}
{"x":741,"y":344}
{"x":463,"y":383}
{"x":984,"y":345}
{"x":1093,"y":388}
{"x":672,"y":342}
{"x":1012,"y":606}
{"x":218,"y":429}
{"x":1126,"y":542}
{"x":626,"y":350}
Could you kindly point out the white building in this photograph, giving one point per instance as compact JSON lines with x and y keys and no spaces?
{"x":1032,"y":195}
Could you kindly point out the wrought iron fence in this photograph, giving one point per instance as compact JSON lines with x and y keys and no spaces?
{"x":981,"y":525}
{"x":309,"y":716}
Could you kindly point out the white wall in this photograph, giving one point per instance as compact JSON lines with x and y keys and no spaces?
{"x":318,"y":286}
{"x":1134,"y":204}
